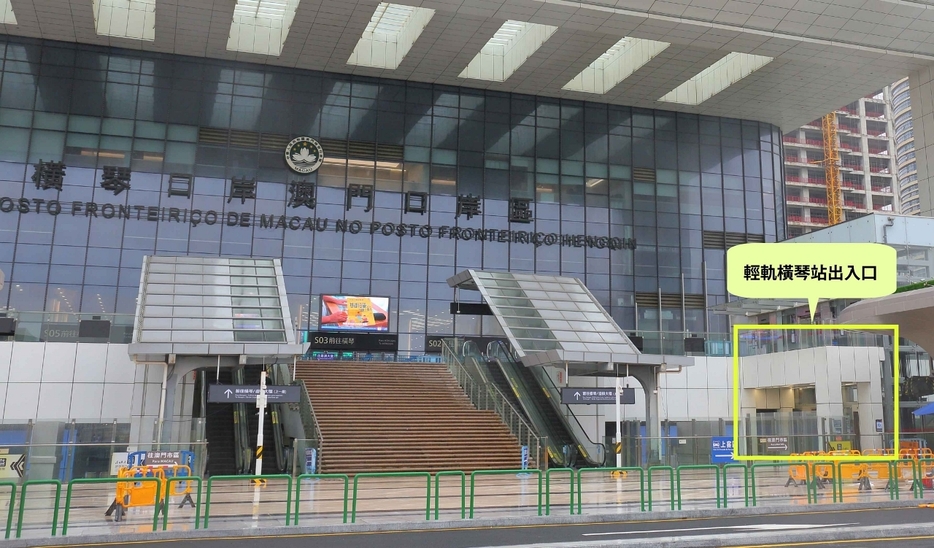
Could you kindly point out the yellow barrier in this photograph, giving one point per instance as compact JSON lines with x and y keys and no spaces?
{"x":149,"y":493}
{"x":798,"y":473}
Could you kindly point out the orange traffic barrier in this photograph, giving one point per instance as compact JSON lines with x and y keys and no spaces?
{"x":149,"y":493}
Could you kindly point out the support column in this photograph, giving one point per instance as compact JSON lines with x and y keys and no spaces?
{"x":921,"y":89}
{"x":648,"y":378}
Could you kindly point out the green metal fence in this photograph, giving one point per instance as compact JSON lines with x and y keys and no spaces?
{"x":251,"y":479}
{"x":477,"y":473}
{"x":114,"y":481}
{"x":825,"y":481}
{"x":463,"y":478}
{"x":9,"y":517}
{"x":671,"y":483}
{"x":570,"y":472}
{"x":426,"y":475}
{"x":22,"y":504}
{"x":754,"y":482}
{"x":298,"y":491}
{"x":745,"y":471}
{"x":196,"y":501}
{"x":714,"y":467}
{"x":620,"y":471}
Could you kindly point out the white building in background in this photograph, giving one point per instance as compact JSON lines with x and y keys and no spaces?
{"x":905,"y":161}
{"x":866,"y":148}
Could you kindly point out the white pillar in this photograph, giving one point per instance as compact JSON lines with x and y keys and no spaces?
{"x":261,"y":405}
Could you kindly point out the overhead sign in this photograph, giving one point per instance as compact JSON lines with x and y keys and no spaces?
{"x":433,"y":343}
{"x":12,"y":465}
{"x":377,"y":342}
{"x":721,"y":449}
{"x":162,"y":458}
{"x":238,"y":393}
{"x":774,"y":444}
{"x":118,"y":460}
{"x":597,"y":395}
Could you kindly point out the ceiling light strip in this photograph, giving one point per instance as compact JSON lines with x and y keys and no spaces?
{"x":133,"y":19}
{"x":261,"y":26}
{"x":716,"y":78}
{"x":390,"y":34}
{"x":615,"y":65}
{"x":7,"y":17}
{"x":507,"y":50}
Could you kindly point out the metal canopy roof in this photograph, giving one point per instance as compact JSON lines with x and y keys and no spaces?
{"x":199,"y":306}
{"x":551,"y":320}
{"x":815,"y":45}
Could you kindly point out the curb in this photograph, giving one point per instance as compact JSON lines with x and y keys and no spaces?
{"x":749,"y":539}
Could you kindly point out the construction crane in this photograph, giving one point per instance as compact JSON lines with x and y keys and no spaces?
{"x":832,"y":169}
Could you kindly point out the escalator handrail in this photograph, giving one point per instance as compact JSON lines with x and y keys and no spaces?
{"x":534,"y":414}
{"x":578,"y":433}
{"x":481,"y":395}
{"x":277,"y":434}
{"x":471,"y":350}
{"x":242,"y":432}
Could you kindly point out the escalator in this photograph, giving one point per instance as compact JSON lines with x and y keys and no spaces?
{"x":220,"y":432}
{"x":273,"y":457}
{"x":506,"y":380}
{"x":497,"y":377}
{"x":540,"y":399}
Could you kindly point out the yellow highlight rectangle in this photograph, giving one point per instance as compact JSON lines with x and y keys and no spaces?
{"x":817,"y":327}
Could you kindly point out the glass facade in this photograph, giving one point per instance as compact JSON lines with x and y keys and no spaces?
{"x":166,"y":155}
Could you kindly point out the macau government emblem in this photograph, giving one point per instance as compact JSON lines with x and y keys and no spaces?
{"x":304,"y":155}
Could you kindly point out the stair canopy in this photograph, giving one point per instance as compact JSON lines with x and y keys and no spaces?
{"x":205,"y":306}
{"x":555,"y":320}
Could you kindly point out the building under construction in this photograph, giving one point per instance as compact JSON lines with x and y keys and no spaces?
{"x":840,"y":167}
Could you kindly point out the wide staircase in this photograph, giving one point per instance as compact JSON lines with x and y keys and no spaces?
{"x":394,"y":417}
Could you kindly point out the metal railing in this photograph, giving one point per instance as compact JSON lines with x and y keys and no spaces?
{"x":486,"y":398}
{"x":524,"y":402}
{"x":51,"y":508}
{"x":594,"y":452}
{"x":310,"y":424}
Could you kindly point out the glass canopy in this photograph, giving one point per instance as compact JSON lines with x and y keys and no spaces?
{"x":555,"y":319}
{"x":209,"y":306}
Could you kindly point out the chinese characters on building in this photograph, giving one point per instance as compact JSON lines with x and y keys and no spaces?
{"x":303,"y":195}
{"x":116,"y":179}
{"x":821,"y":273}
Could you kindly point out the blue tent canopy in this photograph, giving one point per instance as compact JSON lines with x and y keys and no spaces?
{"x":926,"y":410}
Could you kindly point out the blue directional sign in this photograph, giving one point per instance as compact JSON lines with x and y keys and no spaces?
{"x":721,"y":449}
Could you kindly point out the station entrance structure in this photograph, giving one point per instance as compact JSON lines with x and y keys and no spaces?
{"x":556,"y":321}
{"x":212,"y":317}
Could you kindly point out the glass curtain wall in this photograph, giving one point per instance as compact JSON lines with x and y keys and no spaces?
{"x":137,"y":136}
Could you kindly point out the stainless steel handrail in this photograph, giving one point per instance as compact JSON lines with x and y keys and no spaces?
{"x":309,"y":419}
{"x":485,"y":397}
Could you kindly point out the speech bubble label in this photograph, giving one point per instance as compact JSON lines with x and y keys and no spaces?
{"x":811,"y":271}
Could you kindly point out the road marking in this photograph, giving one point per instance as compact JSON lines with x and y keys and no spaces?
{"x":757,"y":527}
{"x":835,"y":542}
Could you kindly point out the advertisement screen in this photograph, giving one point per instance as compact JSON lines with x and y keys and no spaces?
{"x":354,"y":313}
